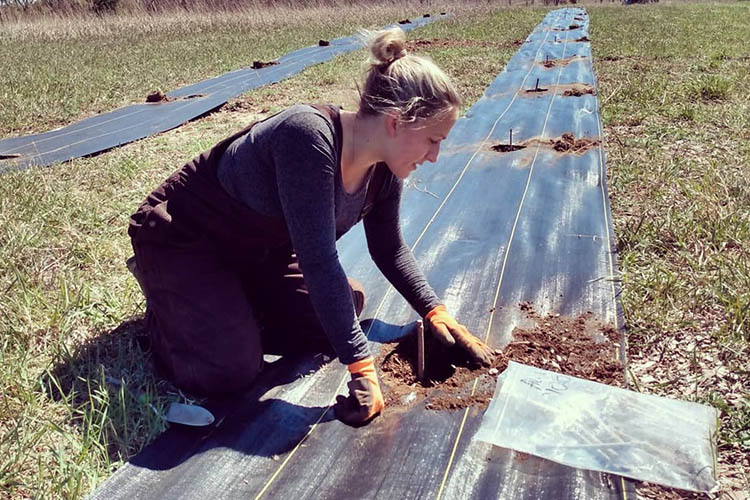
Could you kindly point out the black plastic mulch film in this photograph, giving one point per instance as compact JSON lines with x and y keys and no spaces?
{"x":490,"y":229}
{"x":121,"y":126}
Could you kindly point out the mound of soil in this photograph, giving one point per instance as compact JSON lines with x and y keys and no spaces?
{"x":263,"y":64}
{"x":568,"y":143}
{"x":581,"y":347}
{"x":157,"y":96}
{"x":578,"y":90}
{"x":448,"y":380}
{"x":552,"y":63}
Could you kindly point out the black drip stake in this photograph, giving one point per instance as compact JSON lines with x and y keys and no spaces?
{"x":507,"y":148}
{"x":537,"y":88}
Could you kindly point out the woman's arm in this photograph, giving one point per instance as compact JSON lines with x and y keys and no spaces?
{"x":304,"y":153}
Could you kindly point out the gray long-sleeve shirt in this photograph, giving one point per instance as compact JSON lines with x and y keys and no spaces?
{"x":289,"y":165}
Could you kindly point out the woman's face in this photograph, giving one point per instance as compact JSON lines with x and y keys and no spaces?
{"x":414,"y":143}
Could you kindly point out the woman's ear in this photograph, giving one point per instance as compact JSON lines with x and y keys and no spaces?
{"x":392,"y":124}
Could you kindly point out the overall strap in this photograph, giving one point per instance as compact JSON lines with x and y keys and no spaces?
{"x":381,"y":169}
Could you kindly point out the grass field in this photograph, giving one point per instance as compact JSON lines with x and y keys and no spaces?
{"x":77,"y":398}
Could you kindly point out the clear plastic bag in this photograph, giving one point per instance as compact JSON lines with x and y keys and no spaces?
{"x":593,"y":426}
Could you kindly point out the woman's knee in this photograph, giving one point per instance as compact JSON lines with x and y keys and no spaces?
{"x":213,"y":377}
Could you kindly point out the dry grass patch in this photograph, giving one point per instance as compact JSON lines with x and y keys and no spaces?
{"x":677,"y":132}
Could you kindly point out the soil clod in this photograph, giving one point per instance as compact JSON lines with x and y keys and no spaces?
{"x":578,"y":90}
{"x":404,"y":21}
{"x":568,"y":143}
{"x":552,"y":63}
{"x":324,"y":43}
{"x":583,"y":39}
{"x":157,"y":96}
{"x":263,"y":64}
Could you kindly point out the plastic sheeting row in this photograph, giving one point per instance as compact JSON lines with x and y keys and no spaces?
{"x":490,"y":230}
{"x":121,"y":126}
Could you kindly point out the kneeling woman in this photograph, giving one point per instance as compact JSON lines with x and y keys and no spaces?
{"x":236,"y":251}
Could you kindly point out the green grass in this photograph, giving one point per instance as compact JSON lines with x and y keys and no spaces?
{"x":92,"y":65}
{"x":677,"y":118}
{"x":78,"y":398}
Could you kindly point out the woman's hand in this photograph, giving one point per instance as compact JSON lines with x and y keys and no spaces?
{"x":450,"y":332}
{"x":365,"y":400}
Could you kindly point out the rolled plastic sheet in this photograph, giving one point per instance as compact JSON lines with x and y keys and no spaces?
{"x":490,"y":230}
{"x":108,"y":130}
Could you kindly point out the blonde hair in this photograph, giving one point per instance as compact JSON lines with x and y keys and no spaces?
{"x":412,"y":87}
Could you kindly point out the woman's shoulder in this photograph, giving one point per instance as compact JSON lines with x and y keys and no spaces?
{"x":306,"y":116}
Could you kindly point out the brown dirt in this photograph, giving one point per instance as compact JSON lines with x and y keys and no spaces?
{"x":571,"y":27}
{"x":404,"y":21}
{"x":263,"y":64}
{"x":612,"y":58}
{"x":583,"y":39}
{"x":581,"y":347}
{"x":566,"y":90}
{"x":157,"y":96}
{"x":238,"y":105}
{"x":577,"y":90}
{"x":323,"y":43}
{"x":552,"y":63}
{"x":657,"y":492}
{"x":568,"y":143}
{"x":418,"y":44}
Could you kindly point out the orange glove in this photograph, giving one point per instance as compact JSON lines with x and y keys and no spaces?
{"x":365,"y":400}
{"x":450,"y":332}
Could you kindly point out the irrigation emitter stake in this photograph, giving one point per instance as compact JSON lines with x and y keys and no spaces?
{"x":420,"y":350}
{"x":537,"y":84}
{"x":510,"y":142}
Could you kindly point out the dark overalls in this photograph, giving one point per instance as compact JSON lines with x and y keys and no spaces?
{"x":222,"y":281}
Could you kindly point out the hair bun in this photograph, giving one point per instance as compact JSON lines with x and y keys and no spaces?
{"x":388,"y":45}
